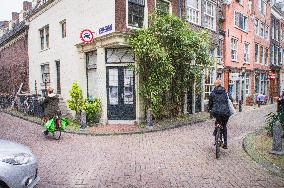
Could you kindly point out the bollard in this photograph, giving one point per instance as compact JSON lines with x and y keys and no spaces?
{"x":277,"y":139}
{"x":149,"y":119}
{"x":240,"y":105}
{"x":83,"y":120}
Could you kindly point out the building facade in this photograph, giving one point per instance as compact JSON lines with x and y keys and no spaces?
{"x":14,"y":58}
{"x":58,"y":57}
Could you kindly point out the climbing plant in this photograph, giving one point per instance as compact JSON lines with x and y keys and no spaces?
{"x":170,"y":55}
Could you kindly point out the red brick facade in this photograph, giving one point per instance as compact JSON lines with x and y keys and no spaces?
{"x":14,"y":64}
{"x":120,"y":13}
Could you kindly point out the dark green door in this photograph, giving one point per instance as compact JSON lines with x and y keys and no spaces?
{"x":121,"y":93}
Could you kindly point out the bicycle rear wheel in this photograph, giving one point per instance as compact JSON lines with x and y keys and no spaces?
{"x":217,"y":142}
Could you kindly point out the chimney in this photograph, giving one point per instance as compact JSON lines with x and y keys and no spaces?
{"x":6,"y":24}
{"x":15,"y":16}
{"x":27,"y":6}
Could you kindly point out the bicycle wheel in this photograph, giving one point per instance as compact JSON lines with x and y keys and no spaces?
{"x":57,"y":134}
{"x":217,"y":142}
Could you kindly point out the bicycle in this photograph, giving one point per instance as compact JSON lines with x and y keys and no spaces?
{"x":218,"y":140}
{"x":57,"y":132}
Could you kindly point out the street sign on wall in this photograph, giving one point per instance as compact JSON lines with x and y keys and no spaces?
{"x":87,"y":36}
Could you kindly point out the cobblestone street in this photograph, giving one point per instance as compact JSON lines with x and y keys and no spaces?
{"x":182,"y":157}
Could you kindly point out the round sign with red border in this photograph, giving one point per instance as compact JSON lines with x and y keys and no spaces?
{"x":87,"y":36}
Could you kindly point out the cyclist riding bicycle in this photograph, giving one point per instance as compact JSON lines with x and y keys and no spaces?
{"x":219,"y":108}
{"x":51,"y":106}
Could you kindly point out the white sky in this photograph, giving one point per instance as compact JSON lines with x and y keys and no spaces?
{"x":9,"y":6}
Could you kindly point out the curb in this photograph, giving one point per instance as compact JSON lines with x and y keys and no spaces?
{"x":178,"y":125}
{"x":257,"y":157}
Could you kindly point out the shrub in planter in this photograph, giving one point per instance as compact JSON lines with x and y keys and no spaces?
{"x":93,"y":109}
{"x":271,"y":119}
{"x":76,"y":102}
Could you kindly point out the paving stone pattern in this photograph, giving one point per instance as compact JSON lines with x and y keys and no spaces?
{"x":182,"y":157}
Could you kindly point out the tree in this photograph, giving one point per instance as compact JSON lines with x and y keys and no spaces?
{"x":170,"y":57}
{"x":76,"y":102}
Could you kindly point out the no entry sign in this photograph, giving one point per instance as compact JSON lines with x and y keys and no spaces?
{"x":87,"y":36}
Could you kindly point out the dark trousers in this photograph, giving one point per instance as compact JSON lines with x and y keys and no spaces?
{"x":222,"y":120}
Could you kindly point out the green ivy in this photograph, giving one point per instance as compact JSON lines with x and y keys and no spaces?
{"x":272,"y":118}
{"x":165,"y":52}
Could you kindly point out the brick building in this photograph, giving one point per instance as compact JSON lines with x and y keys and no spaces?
{"x":205,"y":14}
{"x":261,"y":22}
{"x":239,"y":48}
{"x":275,"y":49}
{"x":14,"y":52}
{"x":58,"y":57}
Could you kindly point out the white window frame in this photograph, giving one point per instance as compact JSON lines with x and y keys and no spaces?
{"x":261,"y":29}
{"x":267,"y":32}
{"x":188,"y":8}
{"x":246,"y":53}
{"x":210,"y":72}
{"x":256,"y":26}
{"x":261,"y":58}
{"x":45,"y":46}
{"x":245,"y":29}
{"x":145,"y":21}
{"x":234,"y":47}
{"x":256,"y":58}
{"x":212,"y":16}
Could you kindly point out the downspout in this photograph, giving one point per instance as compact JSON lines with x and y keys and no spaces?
{"x":180,"y":8}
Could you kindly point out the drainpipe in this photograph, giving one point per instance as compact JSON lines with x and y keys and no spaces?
{"x":180,"y":8}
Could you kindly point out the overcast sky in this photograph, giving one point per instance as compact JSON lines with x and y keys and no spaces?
{"x":9,"y":6}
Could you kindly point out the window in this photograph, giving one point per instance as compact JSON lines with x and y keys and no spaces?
{"x":220,"y":51}
{"x":193,"y":11}
{"x":247,"y":84}
{"x":47,"y":36}
{"x":234,"y":49}
{"x":241,"y":21}
{"x":261,"y":29}
{"x":276,"y":32}
{"x":273,"y":30}
{"x":246,"y":53}
{"x":256,"y":53}
{"x":209,"y":15}
{"x":162,"y":6}
{"x":261,"y":57}
{"x":272,"y":55}
{"x":41,"y":39}
{"x":44,"y":37}
{"x":57,"y":64}
{"x":209,"y":82}
{"x":136,"y":13}
{"x":266,"y":56}
{"x":241,"y":2}
{"x":275,"y":55}
{"x":266,"y":32}
{"x":256,"y":26}
{"x":262,"y":6}
{"x":263,"y":83}
{"x":63,"y":28}
{"x":45,"y":75}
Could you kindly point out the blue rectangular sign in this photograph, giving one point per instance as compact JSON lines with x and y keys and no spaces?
{"x":105,"y":29}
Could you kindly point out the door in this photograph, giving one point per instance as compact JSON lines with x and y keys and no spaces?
{"x":121,"y":93}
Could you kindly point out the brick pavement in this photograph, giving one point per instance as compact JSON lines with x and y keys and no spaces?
{"x":182,"y":157}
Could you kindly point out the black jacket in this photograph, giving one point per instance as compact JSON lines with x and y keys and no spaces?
{"x":218,"y":102}
{"x":51,"y":106}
